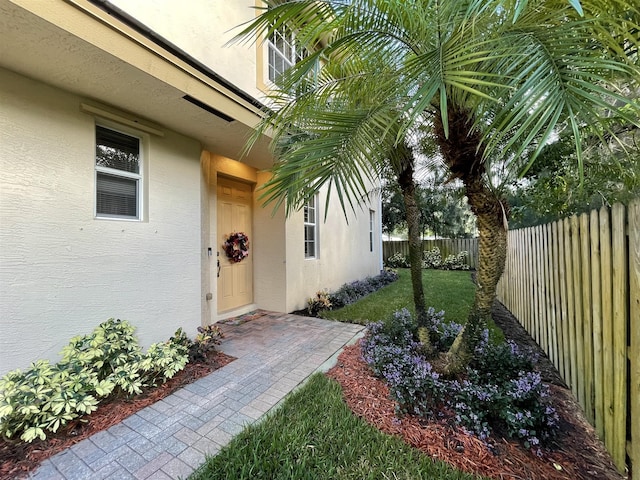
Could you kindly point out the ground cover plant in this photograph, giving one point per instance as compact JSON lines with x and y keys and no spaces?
{"x":349,"y":293}
{"x":498,"y":390}
{"x":315,"y":435}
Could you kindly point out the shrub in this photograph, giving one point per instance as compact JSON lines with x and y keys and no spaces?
{"x":352,"y":292}
{"x":349,"y":292}
{"x":431,"y":258}
{"x":45,"y":397}
{"x":499,"y":389}
{"x":319,"y":303}
{"x":398,"y":260}
{"x":205,"y":342}
{"x":108,"y":361}
{"x":456,"y":262}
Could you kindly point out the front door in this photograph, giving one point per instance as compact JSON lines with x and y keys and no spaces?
{"x":235,"y":281}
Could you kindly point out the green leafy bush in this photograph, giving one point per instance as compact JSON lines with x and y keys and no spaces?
{"x":206,"y":341}
{"x":318,"y":303}
{"x":45,"y":397}
{"x":398,"y":260}
{"x":433,"y":259}
{"x":106,"y":362}
{"x":456,"y":262}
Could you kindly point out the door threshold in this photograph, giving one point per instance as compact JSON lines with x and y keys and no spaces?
{"x":236,"y":312}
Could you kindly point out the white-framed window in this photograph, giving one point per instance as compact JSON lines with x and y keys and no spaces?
{"x":311,"y":228}
{"x":118,"y":166}
{"x":372,"y":222}
{"x":284,"y":52}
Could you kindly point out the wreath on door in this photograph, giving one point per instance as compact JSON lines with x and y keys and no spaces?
{"x":236,"y":246}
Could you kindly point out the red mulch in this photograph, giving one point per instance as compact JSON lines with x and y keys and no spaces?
{"x":577,"y":454}
{"x":18,"y":459}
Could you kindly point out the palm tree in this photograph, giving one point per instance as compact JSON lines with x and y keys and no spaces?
{"x":493,"y":80}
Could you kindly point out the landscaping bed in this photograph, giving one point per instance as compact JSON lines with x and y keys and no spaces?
{"x":18,"y":458}
{"x":576,"y":453}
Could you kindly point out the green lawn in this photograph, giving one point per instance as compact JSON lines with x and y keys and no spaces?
{"x":314,"y":435}
{"x":451,"y":291}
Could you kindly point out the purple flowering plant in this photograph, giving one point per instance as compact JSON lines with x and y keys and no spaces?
{"x":499,"y":390}
{"x":349,"y":292}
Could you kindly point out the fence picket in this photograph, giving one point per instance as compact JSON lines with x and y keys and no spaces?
{"x":597,"y":322}
{"x":569,"y":323}
{"x":619,"y":331}
{"x":634,"y":330}
{"x":586,"y":317}
{"x":607,"y":324}
{"x":556,"y":296}
{"x":551,"y":313}
{"x":577,"y":327}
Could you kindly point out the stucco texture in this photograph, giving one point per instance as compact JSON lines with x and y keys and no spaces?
{"x":63,"y":271}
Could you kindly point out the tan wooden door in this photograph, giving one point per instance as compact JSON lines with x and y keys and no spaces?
{"x":235,"y":282}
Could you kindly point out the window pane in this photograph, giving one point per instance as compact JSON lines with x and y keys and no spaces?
{"x":309,"y":241}
{"x":116,"y":196}
{"x":117,"y":150}
{"x":284,"y":52}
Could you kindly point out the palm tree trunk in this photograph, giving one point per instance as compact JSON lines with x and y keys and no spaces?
{"x":405,"y":170}
{"x":491,"y":214}
{"x":462,"y":152}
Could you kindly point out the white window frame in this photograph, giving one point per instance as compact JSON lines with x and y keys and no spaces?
{"x":311,"y":206}
{"x":138,"y":177}
{"x":372,"y":222}
{"x":291,"y":54}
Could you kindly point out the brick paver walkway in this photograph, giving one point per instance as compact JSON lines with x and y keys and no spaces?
{"x":169,"y":439}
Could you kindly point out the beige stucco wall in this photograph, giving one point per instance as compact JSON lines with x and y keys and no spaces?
{"x":344,"y":254}
{"x":283,"y":278}
{"x":62,"y":271}
{"x":203,"y":31}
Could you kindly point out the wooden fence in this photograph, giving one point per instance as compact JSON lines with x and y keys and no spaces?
{"x":447,"y":247}
{"x":575,"y":286}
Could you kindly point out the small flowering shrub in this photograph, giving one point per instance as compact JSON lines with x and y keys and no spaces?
{"x":398,"y":260}
{"x":455,"y":262}
{"x":433,"y":259}
{"x":499,"y":389}
{"x":349,"y":292}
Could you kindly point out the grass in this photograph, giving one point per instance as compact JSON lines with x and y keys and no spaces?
{"x":314,"y":435}
{"x":448,"y":290}
{"x":451,"y":291}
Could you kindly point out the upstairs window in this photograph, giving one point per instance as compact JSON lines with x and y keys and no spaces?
{"x":311,"y":228}
{"x":118,"y":174}
{"x":284,"y":52}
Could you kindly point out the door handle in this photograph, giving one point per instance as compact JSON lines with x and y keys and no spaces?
{"x":218,"y":264}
